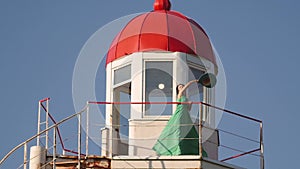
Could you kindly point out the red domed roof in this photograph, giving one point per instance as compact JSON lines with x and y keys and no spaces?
{"x":161,"y":30}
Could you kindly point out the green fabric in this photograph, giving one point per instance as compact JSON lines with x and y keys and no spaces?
{"x":180,"y":136}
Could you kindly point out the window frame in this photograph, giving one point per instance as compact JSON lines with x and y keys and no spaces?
{"x":173,"y":61}
{"x":208,"y":94}
{"x":123,"y":82}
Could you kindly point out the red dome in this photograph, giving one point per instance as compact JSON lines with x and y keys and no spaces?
{"x":161,"y":30}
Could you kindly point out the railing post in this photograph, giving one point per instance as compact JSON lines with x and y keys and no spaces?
{"x":262,"y":160}
{"x":79,"y":141}
{"x":87,"y":131}
{"x":38,"y":134}
{"x":47,"y":122}
{"x":200,"y":129}
{"x":25,"y":156}
{"x":39,"y":124}
{"x":54,"y":147}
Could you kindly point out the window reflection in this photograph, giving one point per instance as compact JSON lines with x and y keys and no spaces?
{"x":195,"y":92}
{"x":158,"y":87}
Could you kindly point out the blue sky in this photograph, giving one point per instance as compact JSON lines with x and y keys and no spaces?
{"x":258,"y":43}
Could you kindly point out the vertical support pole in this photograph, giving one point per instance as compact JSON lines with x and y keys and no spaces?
{"x":79,"y":141}
{"x":25,"y":156}
{"x":262,"y":160}
{"x":205,"y":108}
{"x":39,"y":125}
{"x":110,"y":135}
{"x":47,"y":122}
{"x":87,"y":130}
{"x":54,"y":148}
{"x":200,"y":129}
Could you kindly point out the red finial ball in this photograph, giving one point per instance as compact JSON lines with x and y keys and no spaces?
{"x":162,"y":5}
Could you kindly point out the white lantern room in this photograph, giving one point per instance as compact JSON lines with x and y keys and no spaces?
{"x":150,"y":56}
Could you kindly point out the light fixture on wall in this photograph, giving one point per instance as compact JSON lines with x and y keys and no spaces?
{"x":161,"y":86}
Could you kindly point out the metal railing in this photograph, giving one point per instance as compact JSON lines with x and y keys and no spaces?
{"x":239,"y":153}
{"x":86,"y":110}
{"x":53,"y":127}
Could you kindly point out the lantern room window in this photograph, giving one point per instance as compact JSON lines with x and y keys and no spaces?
{"x":195,"y":92}
{"x":122,"y":74}
{"x":158,"y":87}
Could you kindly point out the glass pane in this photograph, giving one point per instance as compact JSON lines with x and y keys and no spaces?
{"x":121,"y":115}
{"x":122,"y":74}
{"x":159,"y":87}
{"x":195,"y":74}
{"x":195,"y":92}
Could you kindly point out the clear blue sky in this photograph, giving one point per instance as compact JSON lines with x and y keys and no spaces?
{"x":258,"y":42}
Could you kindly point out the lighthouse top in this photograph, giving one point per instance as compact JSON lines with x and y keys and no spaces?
{"x":162,"y":5}
{"x":161,"y":30}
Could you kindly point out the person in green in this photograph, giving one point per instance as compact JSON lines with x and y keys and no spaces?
{"x":180,"y":136}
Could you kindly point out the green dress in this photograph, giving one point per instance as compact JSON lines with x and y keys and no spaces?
{"x":180,"y":136}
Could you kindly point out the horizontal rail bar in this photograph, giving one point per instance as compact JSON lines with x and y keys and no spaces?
{"x":239,"y":155}
{"x":74,"y":152}
{"x":92,"y":102}
{"x":45,"y":99}
{"x":234,"y":113}
{"x":236,"y":135}
{"x":227,"y":111}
